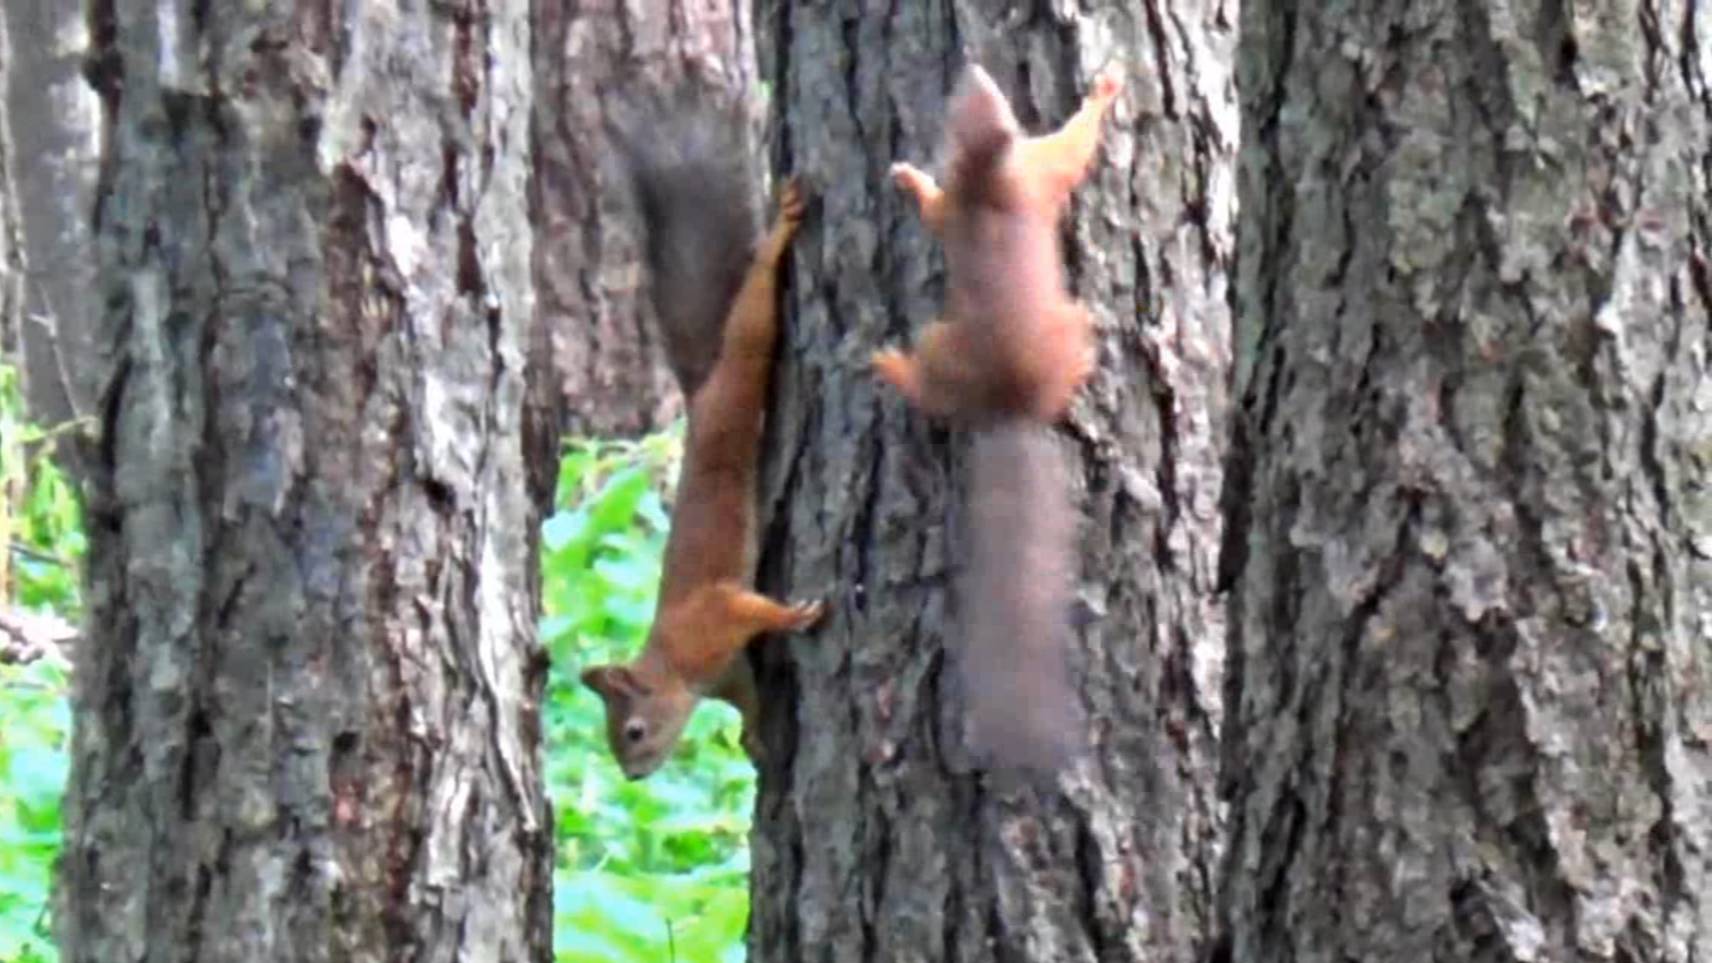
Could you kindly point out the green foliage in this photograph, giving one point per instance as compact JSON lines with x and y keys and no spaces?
{"x":41,"y":538}
{"x":32,"y":767}
{"x":650,"y":870}
{"x":41,"y":522}
{"x":660,"y":866}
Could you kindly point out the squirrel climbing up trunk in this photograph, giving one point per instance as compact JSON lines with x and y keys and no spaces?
{"x":1005,"y":361}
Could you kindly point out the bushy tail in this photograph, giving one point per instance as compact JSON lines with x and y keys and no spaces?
{"x":688,"y":164}
{"x":1014,"y":602}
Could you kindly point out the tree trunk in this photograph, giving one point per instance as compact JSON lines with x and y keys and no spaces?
{"x":875,"y":838}
{"x":11,"y":233}
{"x":592,"y":58}
{"x":1469,"y":709}
{"x":307,"y":717}
{"x":55,"y":119}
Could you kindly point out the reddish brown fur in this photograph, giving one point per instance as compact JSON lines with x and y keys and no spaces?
{"x":706,"y":612}
{"x":1011,"y":352}
{"x":1013,"y":342}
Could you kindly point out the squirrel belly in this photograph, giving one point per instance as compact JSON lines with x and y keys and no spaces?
{"x":715,"y":294}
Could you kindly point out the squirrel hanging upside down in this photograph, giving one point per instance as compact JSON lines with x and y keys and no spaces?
{"x":1006,"y":359}
{"x":715,"y":293}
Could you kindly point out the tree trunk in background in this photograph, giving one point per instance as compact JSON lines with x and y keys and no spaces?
{"x":1469,"y":709}
{"x":307,"y":721}
{"x":874,"y":840}
{"x":11,"y":234}
{"x":597,"y":322}
{"x":55,"y":118}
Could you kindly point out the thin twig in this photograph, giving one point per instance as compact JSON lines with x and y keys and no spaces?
{"x":37,"y":555}
{"x":26,"y":637}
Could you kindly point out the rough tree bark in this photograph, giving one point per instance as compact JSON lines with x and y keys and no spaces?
{"x":11,"y":234}
{"x":306,"y":719}
{"x":874,"y":839}
{"x":54,"y":130}
{"x":1469,"y":709}
{"x":590,"y":57}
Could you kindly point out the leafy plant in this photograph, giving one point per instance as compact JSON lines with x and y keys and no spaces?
{"x":41,"y":521}
{"x":41,"y":547}
{"x":33,"y":767}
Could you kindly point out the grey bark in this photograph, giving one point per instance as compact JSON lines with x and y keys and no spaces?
{"x":592,"y":60}
{"x":874,"y":837}
{"x":11,"y":235}
{"x":307,"y":714}
{"x":55,"y":132}
{"x":1469,"y":712}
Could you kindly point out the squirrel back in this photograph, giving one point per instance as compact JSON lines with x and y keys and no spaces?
{"x":688,"y":171}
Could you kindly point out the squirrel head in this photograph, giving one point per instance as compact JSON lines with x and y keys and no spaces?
{"x":979,"y":118}
{"x":980,"y":129}
{"x":644,"y":717}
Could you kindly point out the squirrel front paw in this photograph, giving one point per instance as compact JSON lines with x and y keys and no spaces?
{"x":805,"y":614}
{"x":793,"y":201}
{"x":1108,"y":83}
{"x":913,"y":181}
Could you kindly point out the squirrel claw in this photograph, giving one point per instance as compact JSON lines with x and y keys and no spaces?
{"x":887,"y":360}
{"x":1108,"y":83}
{"x":910,"y":178}
{"x":807,"y":613}
{"x":895,"y":368}
{"x":793,"y":201}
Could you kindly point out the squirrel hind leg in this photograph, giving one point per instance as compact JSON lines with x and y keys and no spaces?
{"x":941,"y":379}
{"x":1064,"y":363}
{"x":899,"y":370}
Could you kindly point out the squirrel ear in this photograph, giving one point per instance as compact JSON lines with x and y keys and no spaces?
{"x":610,"y":680}
{"x":600,"y":678}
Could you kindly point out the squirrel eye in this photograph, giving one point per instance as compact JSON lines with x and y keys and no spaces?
{"x":634,"y":730}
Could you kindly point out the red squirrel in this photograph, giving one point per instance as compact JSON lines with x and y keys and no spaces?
{"x":1013,"y":343}
{"x":715,"y":293}
{"x":1010,"y":353}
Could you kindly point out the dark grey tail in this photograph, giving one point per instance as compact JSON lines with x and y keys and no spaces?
{"x":1015,"y":602}
{"x":688,"y":164}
